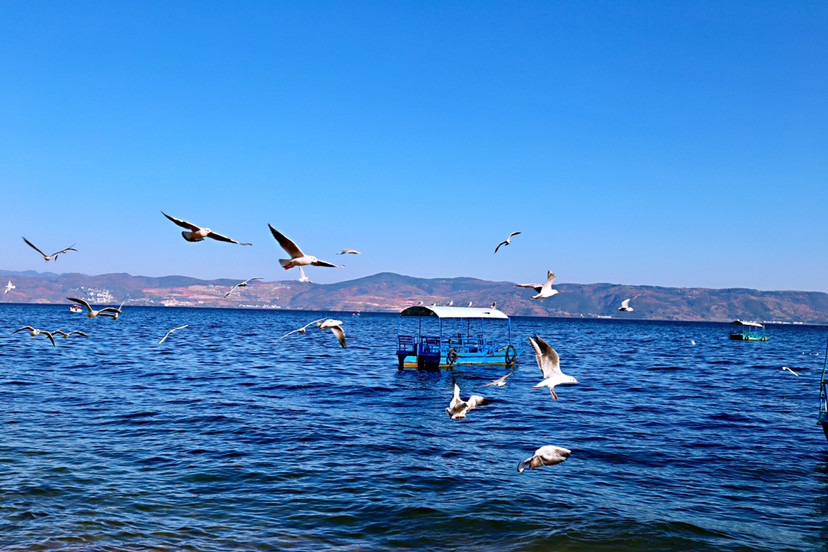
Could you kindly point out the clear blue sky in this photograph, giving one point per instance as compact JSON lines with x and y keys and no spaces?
{"x":664,"y":143}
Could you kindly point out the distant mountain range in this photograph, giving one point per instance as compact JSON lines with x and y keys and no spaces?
{"x":393,"y":292}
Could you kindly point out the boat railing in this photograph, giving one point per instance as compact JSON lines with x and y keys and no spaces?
{"x":406,"y":344}
{"x":429,"y":344}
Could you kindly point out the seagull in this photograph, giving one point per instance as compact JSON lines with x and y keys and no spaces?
{"x":348,"y":252}
{"x":240,"y":284}
{"x":10,"y":286}
{"x":507,"y":241}
{"x":470,"y":304}
{"x":458,"y":408}
{"x":335,"y":326}
{"x":303,"y":328}
{"x":547,"y":455}
{"x":303,"y":278}
{"x":544,"y":290}
{"x":35,"y":332}
{"x":625,"y":306}
{"x":53,"y":256}
{"x":198,"y":233}
{"x":66,"y":335}
{"x":501,"y":381}
{"x":494,"y":304}
{"x":787,"y":369}
{"x":115,"y":313}
{"x":550,"y":365}
{"x":297,"y":258}
{"x":170,"y":333}
{"x":91,"y":313}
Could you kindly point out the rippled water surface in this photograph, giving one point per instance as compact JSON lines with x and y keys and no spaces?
{"x":225,"y":437}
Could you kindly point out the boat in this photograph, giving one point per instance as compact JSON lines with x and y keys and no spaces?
{"x":75,"y":308}
{"x":823,"y":396}
{"x":443,"y":337}
{"x":740,"y":330}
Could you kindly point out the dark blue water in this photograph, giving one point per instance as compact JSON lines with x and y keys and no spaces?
{"x":225,"y":437}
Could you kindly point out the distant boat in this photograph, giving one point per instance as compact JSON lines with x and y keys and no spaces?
{"x":741,"y":330}
{"x":75,"y":308}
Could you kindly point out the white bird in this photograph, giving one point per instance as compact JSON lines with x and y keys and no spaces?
{"x":240,"y":284}
{"x":114,"y":314}
{"x":303,"y":278}
{"x":35,"y":332}
{"x":198,"y":233}
{"x":297,"y":257}
{"x":10,"y":286}
{"x":458,"y":408}
{"x":169,"y":333}
{"x":470,"y":304}
{"x":501,"y":381}
{"x":787,"y":369}
{"x":494,"y":304}
{"x":625,"y":306}
{"x":550,"y":365}
{"x":92,"y":313}
{"x":303,"y":328}
{"x":335,"y":326}
{"x":545,"y":289}
{"x":507,"y":241}
{"x":547,"y":455}
{"x":53,"y":256}
{"x":348,"y":252}
{"x":67,"y":334}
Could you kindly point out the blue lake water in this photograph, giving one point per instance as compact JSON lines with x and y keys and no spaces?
{"x":225,"y":437}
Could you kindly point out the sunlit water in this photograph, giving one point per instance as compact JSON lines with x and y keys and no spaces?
{"x":225,"y":437}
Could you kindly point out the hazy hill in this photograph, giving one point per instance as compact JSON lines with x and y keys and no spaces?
{"x":392,"y":292}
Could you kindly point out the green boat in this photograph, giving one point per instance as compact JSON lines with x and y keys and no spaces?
{"x":741,"y":330}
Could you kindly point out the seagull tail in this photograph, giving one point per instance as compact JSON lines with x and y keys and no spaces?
{"x":286,"y":263}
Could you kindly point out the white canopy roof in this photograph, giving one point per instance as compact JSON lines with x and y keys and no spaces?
{"x":745,"y":323}
{"x":454,"y":312}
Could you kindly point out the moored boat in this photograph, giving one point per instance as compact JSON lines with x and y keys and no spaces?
{"x":445,"y":337}
{"x":741,"y":330}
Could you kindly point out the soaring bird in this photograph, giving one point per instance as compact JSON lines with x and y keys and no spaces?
{"x":10,"y":286}
{"x":500,"y":382}
{"x":625,"y":306}
{"x":92,"y":313}
{"x":297,"y":258}
{"x":458,"y":408}
{"x":303,"y":329}
{"x":545,"y":289}
{"x":169,"y":333}
{"x":35,"y":332}
{"x":240,"y":284}
{"x":348,"y":252}
{"x":550,"y":365}
{"x":335,"y":326}
{"x":302,"y":278}
{"x":787,"y":369}
{"x":198,"y":233}
{"x":547,"y":455}
{"x":66,"y":335}
{"x":507,"y":241}
{"x":53,"y":256}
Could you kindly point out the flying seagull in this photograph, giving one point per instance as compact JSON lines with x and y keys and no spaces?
{"x":787,"y":369}
{"x":198,"y":233}
{"x":169,"y":333}
{"x":297,"y":258}
{"x":507,"y":241}
{"x":303,"y":278}
{"x":550,"y":365}
{"x":35,"y":332}
{"x":348,"y":252}
{"x":53,"y":256}
{"x":67,"y":334}
{"x":458,"y":408}
{"x":10,"y":286}
{"x":547,"y":455}
{"x":625,"y":306}
{"x":335,"y":326}
{"x":545,"y":289}
{"x":501,"y":381}
{"x":303,"y":328}
{"x":92,"y":313}
{"x":240,"y":284}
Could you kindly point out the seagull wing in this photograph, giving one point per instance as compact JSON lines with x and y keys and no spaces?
{"x":340,"y":334}
{"x":81,"y":302}
{"x":547,"y":357}
{"x":513,"y":234}
{"x":24,"y":328}
{"x":625,"y":304}
{"x":325,"y":263}
{"x":70,"y":248}
{"x":536,"y":287}
{"x":182,"y":223}
{"x":30,"y":244}
{"x":231,"y":290}
{"x":504,"y":242}
{"x":291,"y":248}
{"x":477,"y":400}
{"x":219,"y":237}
